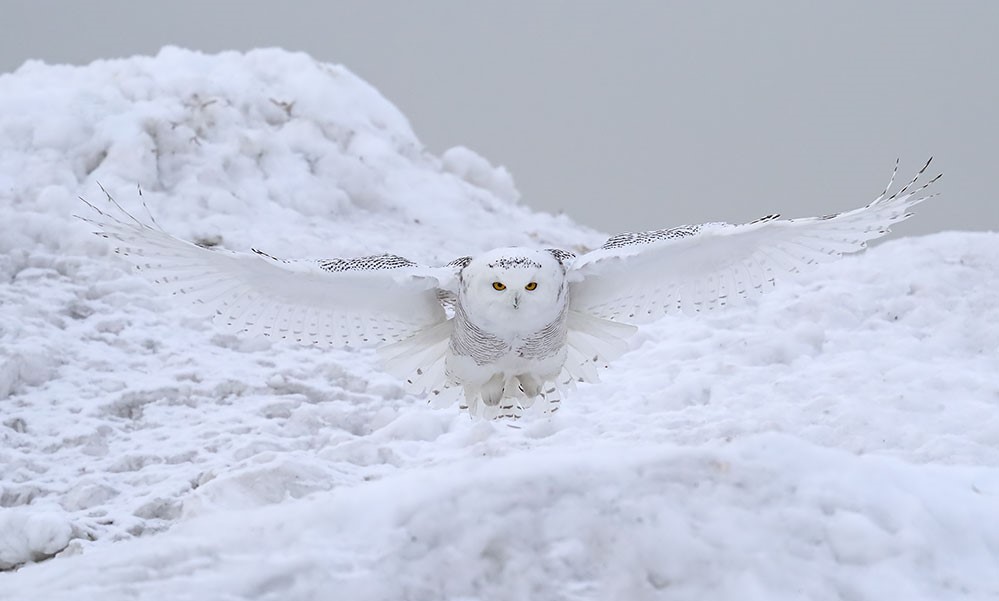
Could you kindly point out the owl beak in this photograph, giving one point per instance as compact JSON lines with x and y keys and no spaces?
{"x":516,"y":300}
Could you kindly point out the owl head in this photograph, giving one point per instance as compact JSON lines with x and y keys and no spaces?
{"x":513,"y":290}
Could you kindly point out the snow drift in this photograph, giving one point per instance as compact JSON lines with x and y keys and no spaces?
{"x":837,"y":439}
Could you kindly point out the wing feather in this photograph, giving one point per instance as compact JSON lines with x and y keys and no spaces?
{"x":340,"y":302}
{"x":638,"y":277}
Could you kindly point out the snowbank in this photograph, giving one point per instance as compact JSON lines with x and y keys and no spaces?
{"x":837,"y":439}
{"x":767,"y":516}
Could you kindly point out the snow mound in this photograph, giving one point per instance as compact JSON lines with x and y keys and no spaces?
{"x":224,"y":146}
{"x":31,"y":535}
{"x":836,"y":439}
{"x":477,"y":171}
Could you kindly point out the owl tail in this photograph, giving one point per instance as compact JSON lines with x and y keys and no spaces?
{"x":419,"y":361}
{"x":592,"y":342}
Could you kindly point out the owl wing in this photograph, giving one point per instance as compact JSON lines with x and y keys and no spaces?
{"x":366,"y":301}
{"x":638,"y":277}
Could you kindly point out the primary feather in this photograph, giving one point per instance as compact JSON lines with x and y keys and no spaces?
{"x":639,"y":277}
{"x":340,"y":302}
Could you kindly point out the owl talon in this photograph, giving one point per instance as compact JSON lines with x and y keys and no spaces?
{"x":492,"y":391}
{"x":529,"y":385}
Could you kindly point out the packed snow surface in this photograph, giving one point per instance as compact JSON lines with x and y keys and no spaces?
{"x":836,"y":439}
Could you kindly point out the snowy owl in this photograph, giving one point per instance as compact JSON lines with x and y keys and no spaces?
{"x":502,"y":330}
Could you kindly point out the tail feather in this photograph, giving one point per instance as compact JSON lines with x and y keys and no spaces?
{"x":593,"y":342}
{"x":419,"y":359}
{"x":580,"y":366}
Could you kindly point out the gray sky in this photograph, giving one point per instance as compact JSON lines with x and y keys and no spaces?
{"x":631,"y":115}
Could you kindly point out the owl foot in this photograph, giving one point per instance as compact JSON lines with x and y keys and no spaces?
{"x":492,"y":391}
{"x":529,"y":385}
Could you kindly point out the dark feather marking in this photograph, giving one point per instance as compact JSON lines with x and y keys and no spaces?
{"x":632,"y":238}
{"x":374,"y":262}
{"x":515,"y":262}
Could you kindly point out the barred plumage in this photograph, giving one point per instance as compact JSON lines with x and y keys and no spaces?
{"x":385,"y":261}
{"x":633,"y":238}
{"x":469,"y":340}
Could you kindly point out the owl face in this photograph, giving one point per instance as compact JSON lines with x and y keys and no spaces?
{"x":514,"y":290}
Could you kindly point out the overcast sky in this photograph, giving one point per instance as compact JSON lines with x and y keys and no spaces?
{"x":631,"y":115}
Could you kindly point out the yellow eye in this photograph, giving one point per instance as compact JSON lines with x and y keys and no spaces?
{"x":531,"y":286}
{"x":499,"y":286}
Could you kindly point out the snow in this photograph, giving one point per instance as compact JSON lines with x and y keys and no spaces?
{"x":836,"y":439}
{"x":31,"y":535}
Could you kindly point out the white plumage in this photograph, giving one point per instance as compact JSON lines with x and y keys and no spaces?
{"x":499,"y":331}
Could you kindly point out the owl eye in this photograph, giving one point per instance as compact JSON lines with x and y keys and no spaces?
{"x":499,"y":286}
{"x":531,"y":286}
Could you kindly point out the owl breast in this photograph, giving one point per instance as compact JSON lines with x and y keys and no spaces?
{"x":487,"y":348}
{"x":491,"y":366}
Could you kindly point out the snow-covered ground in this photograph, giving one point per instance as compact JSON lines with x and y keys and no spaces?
{"x":836,"y":439}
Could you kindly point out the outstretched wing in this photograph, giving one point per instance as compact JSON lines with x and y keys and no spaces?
{"x":354,"y":302}
{"x":638,"y":277}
